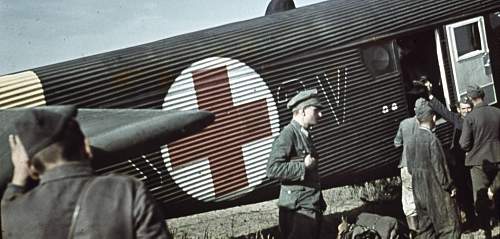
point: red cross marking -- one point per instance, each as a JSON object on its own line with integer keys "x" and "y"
{"x": 221, "y": 143}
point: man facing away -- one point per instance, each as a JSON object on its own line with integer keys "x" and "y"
{"x": 294, "y": 161}
{"x": 481, "y": 139}
{"x": 70, "y": 201}
{"x": 433, "y": 188}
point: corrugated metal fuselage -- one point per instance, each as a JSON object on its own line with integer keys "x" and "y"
{"x": 245, "y": 73}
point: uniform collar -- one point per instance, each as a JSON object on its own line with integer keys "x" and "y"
{"x": 67, "y": 170}
{"x": 480, "y": 104}
{"x": 299, "y": 127}
{"x": 424, "y": 128}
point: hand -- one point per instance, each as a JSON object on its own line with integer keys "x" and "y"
{"x": 19, "y": 158}
{"x": 428, "y": 85}
{"x": 453, "y": 192}
{"x": 309, "y": 161}
{"x": 490, "y": 193}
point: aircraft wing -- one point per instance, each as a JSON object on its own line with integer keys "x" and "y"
{"x": 244, "y": 73}
{"x": 115, "y": 134}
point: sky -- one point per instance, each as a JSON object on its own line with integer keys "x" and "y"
{"x": 38, "y": 33}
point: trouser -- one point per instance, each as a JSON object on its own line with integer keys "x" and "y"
{"x": 427, "y": 230}
{"x": 462, "y": 180}
{"x": 484, "y": 177}
{"x": 407, "y": 198}
{"x": 436, "y": 209}
{"x": 294, "y": 224}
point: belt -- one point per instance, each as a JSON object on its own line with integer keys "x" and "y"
{"x": 309, "y": 213}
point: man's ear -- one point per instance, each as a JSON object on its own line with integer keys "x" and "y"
{"x": 87, "y": 149}
{"x": 34, "y": 174}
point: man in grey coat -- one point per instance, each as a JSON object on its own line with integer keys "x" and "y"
{"x": 481, "y": 139}
{"x": 70, "y": 201}
{"x": 406, "y": 131}
{"x": 294, "y": 161}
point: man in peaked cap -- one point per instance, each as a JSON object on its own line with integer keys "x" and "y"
{"x": 481, "y": 139}
{"x": 294, "y": 161}
{"x": 433, "y": 187}
{"x": 460, "y": 173}
{"x": 70, "y": 200}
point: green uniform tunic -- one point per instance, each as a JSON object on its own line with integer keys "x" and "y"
{"x": 300, "y": 187}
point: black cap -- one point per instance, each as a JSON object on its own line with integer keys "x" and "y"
{"x": 465, "y": 100}
{"x": 474, "y": 91}
{"x": 40, "y": 127}
{"x": 303, "y": 99}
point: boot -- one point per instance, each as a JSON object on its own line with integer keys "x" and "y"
{"x": 412, "y": 225}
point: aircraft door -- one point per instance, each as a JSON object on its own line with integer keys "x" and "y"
{"x": 470, "y": 59}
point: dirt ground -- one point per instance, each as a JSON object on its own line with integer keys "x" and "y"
{"x": 261, "y": 220}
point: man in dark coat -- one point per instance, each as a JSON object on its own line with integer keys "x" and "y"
{"x": 456, "y": 159}
{"x": 433, "y": 187}
{"x": 70, "y": 200}
{"x": 294, "y": 161}
{"x": 481, "y": 139}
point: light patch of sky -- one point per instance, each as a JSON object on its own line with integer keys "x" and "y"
{"x": 37, "y": 33}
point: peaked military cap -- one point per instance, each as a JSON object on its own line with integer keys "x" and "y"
{"x": 40, "y": 127}
{"x": 465, "y": 100}
{"x": 303, "y": 99}
{"x": 474, "y": 91}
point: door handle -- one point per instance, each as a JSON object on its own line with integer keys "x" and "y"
{"x": 487, "y": 63}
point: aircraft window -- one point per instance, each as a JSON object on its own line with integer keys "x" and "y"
{"x": 379, "y": 59}
{"x": 467, "y": 39}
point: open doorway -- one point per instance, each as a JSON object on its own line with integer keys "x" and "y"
{"x": 418, "y": 58}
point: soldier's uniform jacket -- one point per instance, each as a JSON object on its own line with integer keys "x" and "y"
{"x": 481, "y": 135}
{"x": 114, "y": 207}
{"x": 300, "y": 187}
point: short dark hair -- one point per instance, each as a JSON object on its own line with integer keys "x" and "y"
{"x": 69, "y": 144}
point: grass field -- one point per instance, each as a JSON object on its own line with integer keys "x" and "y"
{"x": 260, "y": 221}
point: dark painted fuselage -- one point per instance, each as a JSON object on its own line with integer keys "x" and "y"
{"x": 245, "y": 73}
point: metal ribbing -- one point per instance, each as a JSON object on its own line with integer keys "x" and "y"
{"x": 316, "y": 44}
{"x": 353, "y": 146}
{"x": 447, "y": 65}
{"x": 21, "y": 90}
{"x": 263, "y": 41}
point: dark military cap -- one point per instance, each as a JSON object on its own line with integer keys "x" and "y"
{"x": 474, "y": 91}
{"x": 40, "y": 127}
{"x": 422, "y": 109}
{"x": 465, "y": 100}
{"x": 303, "y": 99}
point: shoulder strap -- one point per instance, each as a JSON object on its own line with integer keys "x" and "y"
{"x": 76, "y": 211}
